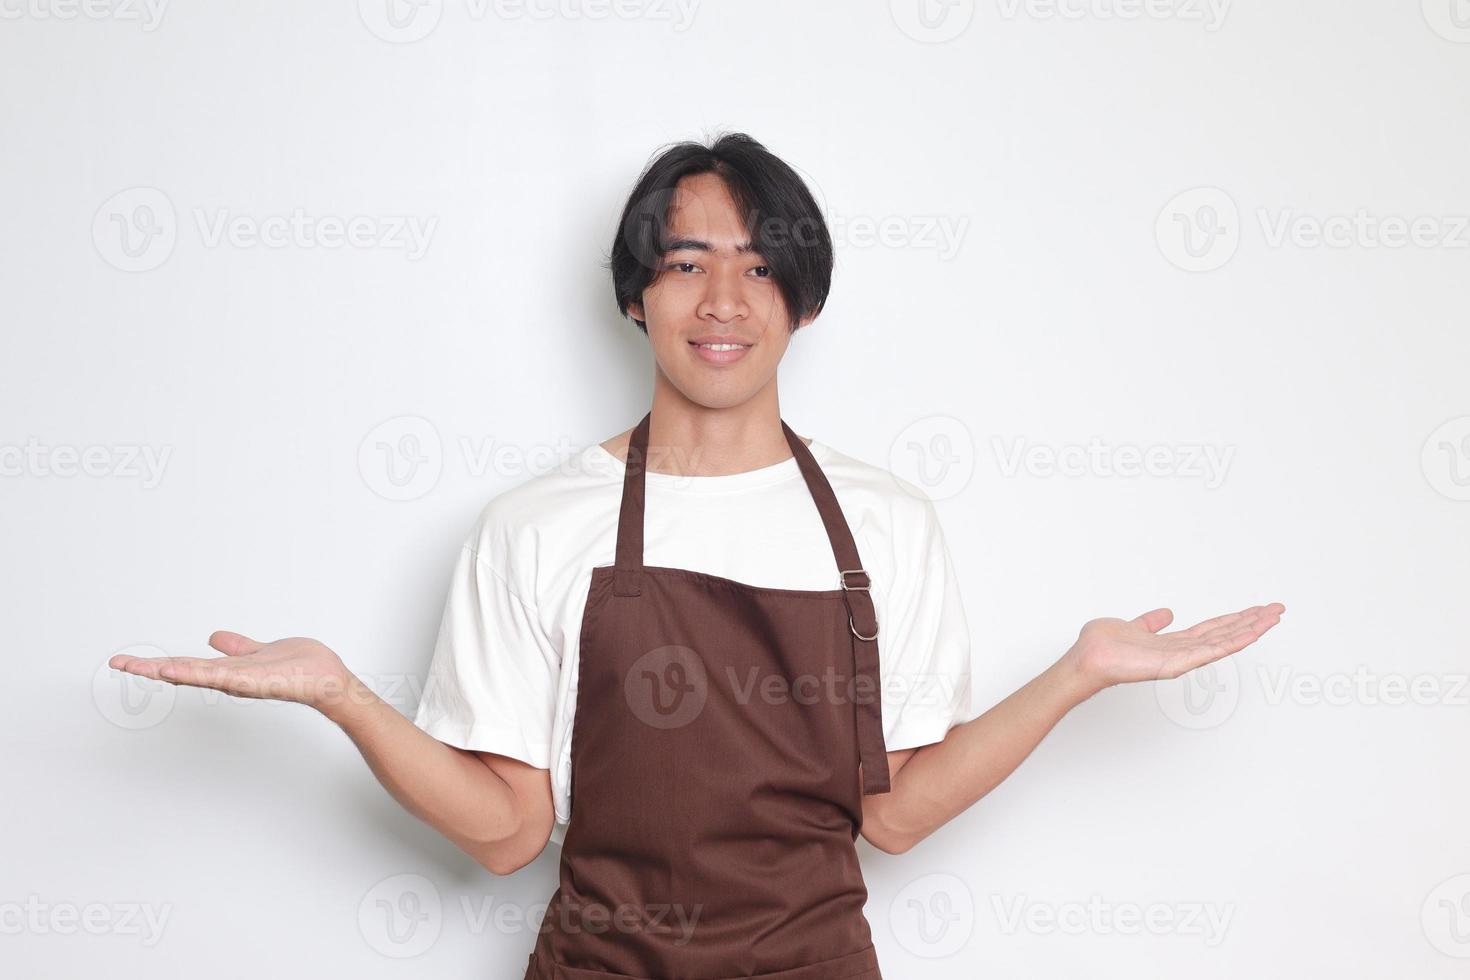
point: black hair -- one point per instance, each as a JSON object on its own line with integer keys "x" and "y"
{"x": 782, "y": 219}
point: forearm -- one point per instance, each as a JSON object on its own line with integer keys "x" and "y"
{"x": 942, "y": 780}
{"x": 448, "y": 788}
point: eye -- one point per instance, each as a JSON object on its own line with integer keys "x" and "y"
{"x": 683, "y": 266}
{"x": 763, "y": 270}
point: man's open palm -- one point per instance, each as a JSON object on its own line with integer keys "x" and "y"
{"x": 296, "y": 668}
{"x": 1117, "y": 651}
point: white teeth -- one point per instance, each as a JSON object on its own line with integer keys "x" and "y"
{"x": 721, "y": 346}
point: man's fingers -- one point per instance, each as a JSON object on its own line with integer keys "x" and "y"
{"x": 1210, "y": 625}
{"x": 1252, "y": 623}
{"x": 233, "y": 644}
{"x": 1229, "y": 620}
{"x": 212, "y": 672}
{"x": 216, "y": 674}
{"x": 239, "y": 678}
{"x": 1213, "y": 630}
{"x": 142, "y": 666}
{"x": 1246, "y": 629}
{"x": 158, "y": 668}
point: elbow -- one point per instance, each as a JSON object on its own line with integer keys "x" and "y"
{"x": 887, "y": 839}
{"x": 502, "y": 865}
{"x": 895, "y": 845}
{"x": 505, "y": 855}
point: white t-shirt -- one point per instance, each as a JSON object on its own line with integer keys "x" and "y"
{"x": 503, "y": 677}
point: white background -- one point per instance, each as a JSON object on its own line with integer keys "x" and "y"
{"x": 1308, "y": 796}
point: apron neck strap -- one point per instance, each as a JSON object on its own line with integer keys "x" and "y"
{"x": 629, "y": 555}
{"x": 862, "y": 617}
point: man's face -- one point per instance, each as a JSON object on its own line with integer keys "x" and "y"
{"x": 716, "y": 320}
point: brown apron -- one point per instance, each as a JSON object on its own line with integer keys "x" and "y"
{"x": 715, "y": 759}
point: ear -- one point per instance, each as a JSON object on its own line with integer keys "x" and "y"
{"x": 635, "y": 310}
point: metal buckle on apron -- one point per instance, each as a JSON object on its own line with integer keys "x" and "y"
{"x": 865, "y": 587}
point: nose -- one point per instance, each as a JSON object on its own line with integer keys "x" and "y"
{"x": 723, "y": 300}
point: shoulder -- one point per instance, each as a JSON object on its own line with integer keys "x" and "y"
{"x": 873, "y": 490}
{"x": 577, "y": 492}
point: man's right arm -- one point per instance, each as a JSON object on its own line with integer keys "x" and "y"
{"x": 496, "y": 809}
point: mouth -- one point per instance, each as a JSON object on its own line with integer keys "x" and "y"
{"x": 719, "y": 351}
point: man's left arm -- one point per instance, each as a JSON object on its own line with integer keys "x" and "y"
{"x": 934, "y": 783}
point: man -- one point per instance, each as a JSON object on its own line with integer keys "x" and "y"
{"x": 712, "y": 653}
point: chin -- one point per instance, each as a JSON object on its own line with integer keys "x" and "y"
{"x": 715, "y": 396}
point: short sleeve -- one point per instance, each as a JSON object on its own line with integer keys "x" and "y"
{"x": 492, "y": 680}
{"x": 925, "y": 645}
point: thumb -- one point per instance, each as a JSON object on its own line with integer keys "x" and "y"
{"x": 1155, "y": 619}
{"x": 233, "y": 644}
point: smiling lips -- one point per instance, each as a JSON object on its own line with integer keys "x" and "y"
{"x": 717, "y": 351}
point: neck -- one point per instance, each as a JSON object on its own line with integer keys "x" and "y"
{"x": 689, "y": 439}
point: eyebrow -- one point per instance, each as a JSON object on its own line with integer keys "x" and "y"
{"x": 697, "y": 245}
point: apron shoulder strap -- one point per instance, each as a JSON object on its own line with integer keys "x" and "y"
{"x": 862, "y": 617}
{"x": 628, "y": 559}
